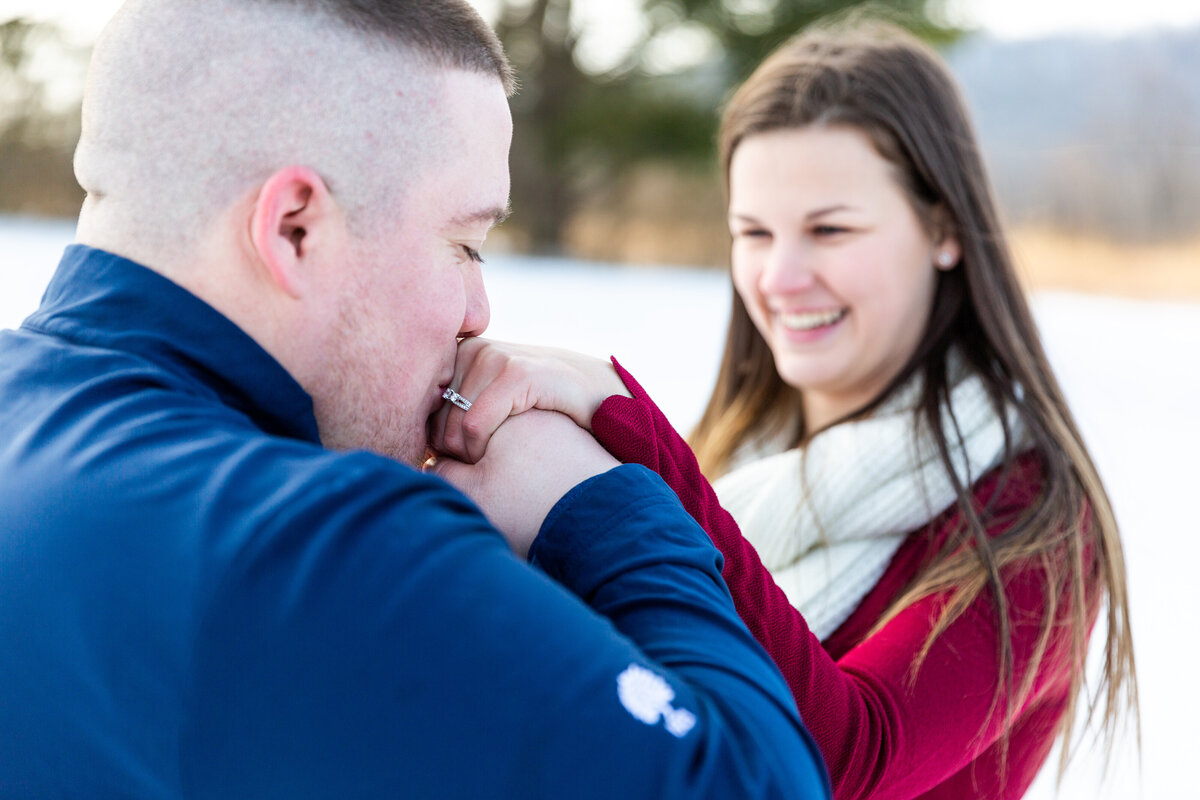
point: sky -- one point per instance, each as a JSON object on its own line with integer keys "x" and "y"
{"x": 1014, "y": 19}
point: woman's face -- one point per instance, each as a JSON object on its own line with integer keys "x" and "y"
{"x": 832, "y": 263}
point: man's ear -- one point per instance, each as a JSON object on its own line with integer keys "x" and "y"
{"x": 294, "y": 214}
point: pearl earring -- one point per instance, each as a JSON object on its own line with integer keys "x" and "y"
{"x": 945, "y": 259}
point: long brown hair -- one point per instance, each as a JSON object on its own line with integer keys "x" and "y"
{"x": 877, "y": 79}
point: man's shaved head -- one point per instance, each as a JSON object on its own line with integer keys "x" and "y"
{"x": 190, "y": 106}
{"x": 321, "y": 172}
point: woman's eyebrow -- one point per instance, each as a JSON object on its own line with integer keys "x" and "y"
{"x": 820, "y": 212}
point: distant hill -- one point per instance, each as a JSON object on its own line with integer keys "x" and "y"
{"x": 1090, "y": 131}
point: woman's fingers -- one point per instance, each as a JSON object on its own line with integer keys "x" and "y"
{"x": 501, "y": 397}
{"x": 443, "y": 434}
{"x": 482, "y": 376}
{"x": 501, "y": 379}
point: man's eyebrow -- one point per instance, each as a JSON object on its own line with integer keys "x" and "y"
{"x": 491, "y": 216}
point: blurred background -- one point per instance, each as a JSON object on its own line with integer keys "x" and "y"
{"x": 1089, "y": 116}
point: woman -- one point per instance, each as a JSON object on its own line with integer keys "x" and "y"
{"x": 927, "y": 543}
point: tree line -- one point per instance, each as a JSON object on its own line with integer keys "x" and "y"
{"x": 613, "y": 149}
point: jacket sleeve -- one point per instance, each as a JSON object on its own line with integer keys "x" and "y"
{"x": 386, "y": 642}
{"x": 882, "y": 732}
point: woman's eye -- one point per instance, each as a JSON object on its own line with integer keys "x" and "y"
{"x": 754, "y": 233}
{"x": 473, "y": 254}
{"x": 828, "y": 230}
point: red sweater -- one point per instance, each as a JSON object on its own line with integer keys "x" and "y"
{"x": 884, "y": 735}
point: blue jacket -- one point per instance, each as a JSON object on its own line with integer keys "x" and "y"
{"x": 198, "y": 600}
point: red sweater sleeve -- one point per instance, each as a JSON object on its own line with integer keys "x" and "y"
{"x": 883, "y": 735}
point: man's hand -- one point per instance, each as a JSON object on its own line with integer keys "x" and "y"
{"x": 532, "y": 460}
{"x": 502, "y": 380}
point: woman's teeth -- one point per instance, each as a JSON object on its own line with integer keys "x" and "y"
{"x": 809, "y": 320}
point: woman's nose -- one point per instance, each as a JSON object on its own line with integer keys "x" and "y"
{"x": 789, "y": 268}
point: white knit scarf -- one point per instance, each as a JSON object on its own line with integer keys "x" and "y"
{"x": 826, "y": 522}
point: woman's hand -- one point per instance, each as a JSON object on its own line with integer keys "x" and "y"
{"x": 502, "y": 379}
{"x": 533, "y": 461}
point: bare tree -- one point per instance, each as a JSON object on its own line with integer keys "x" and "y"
{"x": 580, "y": 127}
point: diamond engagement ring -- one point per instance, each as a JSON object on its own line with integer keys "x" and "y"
{"x": 456, "y": 398}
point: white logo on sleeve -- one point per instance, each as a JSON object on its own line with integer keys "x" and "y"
{"x": 647, "y": 697}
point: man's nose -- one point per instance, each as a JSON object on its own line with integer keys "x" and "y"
{"x": 478, "y": 311}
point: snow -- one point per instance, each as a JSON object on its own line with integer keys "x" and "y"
{"x": 1129, "y": 368}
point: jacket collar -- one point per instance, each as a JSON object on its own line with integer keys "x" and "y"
{"x": 103, "y": 300}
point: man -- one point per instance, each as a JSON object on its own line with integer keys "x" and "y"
{"x": 208, "y": 586}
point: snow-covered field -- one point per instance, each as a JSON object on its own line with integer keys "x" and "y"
{"x": 1130, "y": 369}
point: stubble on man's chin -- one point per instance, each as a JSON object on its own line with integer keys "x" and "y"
{"x": 368, "y": 429}
{"x": 351, "y": 409}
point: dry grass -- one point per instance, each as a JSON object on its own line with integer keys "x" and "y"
{"x": 1052, "y": 260}
{"x": 1046, "y": 259}
{"x": 661, "y": 216}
